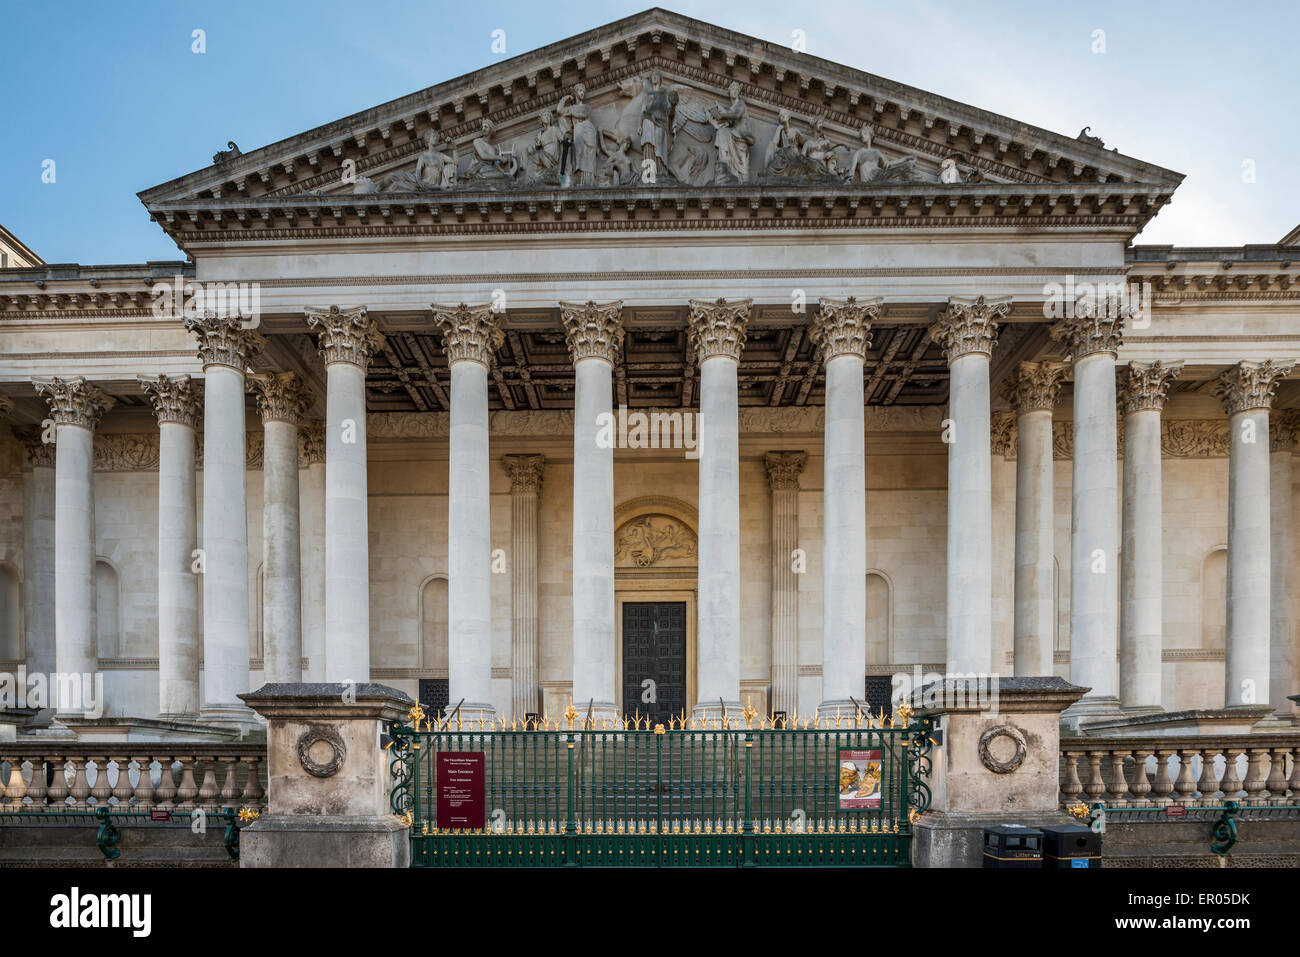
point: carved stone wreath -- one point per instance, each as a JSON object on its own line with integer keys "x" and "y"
{"x": 1002, "y": 731}
{"x": 315, "y": 734}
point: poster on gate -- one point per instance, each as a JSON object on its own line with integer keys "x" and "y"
{"x": 859, "y": 783}
{"x": 460, "y": 790}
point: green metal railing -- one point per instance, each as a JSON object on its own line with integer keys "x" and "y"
{"x": 720, "y": 793}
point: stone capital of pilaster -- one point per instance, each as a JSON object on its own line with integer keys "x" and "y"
{"x": 174, "y": 399}
{"x": 6, "y": 405}
{"x": 1144, "y": 386}
{"x": 345, "y": 335}
{"x": 40, "y": 453}
{"x": 717, "y": 327}
{"x": 593, "y": 330}
{"x": 1035, "y": 386}
{"x": 969, "y": 326}
{"x": 1096, "y": 327}
{"x": 1283, "y": 429}
{"x": 1251, "y": 385}
{"x": 842, "y": 327}
{"x": 784, "y": 469}
{"x": 224, "y": 341}
{"x": 311, "y": 443}
{"x": 469, "y": 333}
{"x": 525, "y": 472}
{"x": 281, "y": 396}
{"x": 73, "y": 401}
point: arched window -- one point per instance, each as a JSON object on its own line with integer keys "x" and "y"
{"x": 1214, "y": 599}
{"x": 11, "y": 644}
{"x": 433, "y": 627}
{"x": 880, "y": 619}
{"x": 107, "y": 623}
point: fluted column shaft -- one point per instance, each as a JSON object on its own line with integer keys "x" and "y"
{"x": 38, "y": 552}
{"x": 525, "y": 473}
{"x": 470, "y": 336}
{"x": 1282, "y": 635}
{"x": 783, "y": 470}
{"x": 311, "y": 537}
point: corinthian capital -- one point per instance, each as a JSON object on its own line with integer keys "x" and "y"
{"x": 969, "y": 326}
{"x": 281, "y": 397}
{"x": 784, "y": 469}
{"x": 311, "y": 444}
{"x": 1145, "y": 385}
{"x": 1034, "y": 386}
{"x": 345, "y": 335}
{"x": 73, "y": 401}
{"x": 593, "y": 330}
{"x": 717, "y": 327}
{"x": 525, "y": 472}
{"x": 470, "y": 333}
{"x": 174, "y": 399}
{"x": 1251, "y": 385}
{"x": 842, "y": 327}
{"x": 40, "y": 453}
{"x": 223, "y": 341}
{"x": 1096, "y": 326}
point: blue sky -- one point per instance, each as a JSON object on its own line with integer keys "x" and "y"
{"x": 112, "y": 92}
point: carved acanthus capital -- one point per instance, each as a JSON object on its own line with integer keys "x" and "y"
{"x": 73, "y": 401}
{"x": 1251, "y": 385}
{"x": 1097, "y": 326}
{"x": 1145, "y": 385}
{"x": 784, "y": 469}
{"x": 281, "y": 396}
{"x": 1004, "y": 433}
{"x": 311, "y": 443}
{"x": 1283, "y": 429}
{"x": 224, "y": 341}
{"x": 174, "y": 399}
{"x": 969, "y": 326}
{"x": 593, "y": 330}
{"x": 6, "y": 405}
{"x": 1034, "y": 386}
{"x": 717, "y": 327}
{"x": 842, "y": 327}
{"x": 470, "y": 333}
{"x": 345, "y": 335}
{"x": 40, "y": 453}
{"x": 525, "y": 472}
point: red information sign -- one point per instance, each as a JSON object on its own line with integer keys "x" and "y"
{"x": 1175, "y": 810}
{"x": 460, "y": 789}
{"x": 859, "y": 780}
{"x": 156, "y": 815}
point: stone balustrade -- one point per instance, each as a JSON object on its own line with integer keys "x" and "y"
{"x": 1257, "y": 770}
{"x": 82, "y": 775}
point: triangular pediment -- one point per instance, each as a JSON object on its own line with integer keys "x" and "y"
{"x": 660, "y": 101}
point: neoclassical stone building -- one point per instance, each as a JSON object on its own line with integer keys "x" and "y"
{"x": 661, "y": 369}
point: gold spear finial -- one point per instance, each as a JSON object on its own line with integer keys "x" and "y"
{"x": 905, "y": 712}
{"x": 571, "y": 714}
{"x": 749, "y": 713}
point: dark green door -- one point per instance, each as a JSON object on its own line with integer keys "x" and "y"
{"x": 654, "y": 658}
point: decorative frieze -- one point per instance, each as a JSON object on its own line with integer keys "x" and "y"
{"x": 784, "y": 469}
{"x": 1283, "y": 429}
{"x": 1002, "y": 434}
{"x": 1179, "y": 438}
{"x": 717, "y": 327}
{"x": 174, "y": 399}
{"x": 345, "y": 335}
{"x": 6, "y": 405}
{"x": 525, "y": 472}
{"x": 1144, "y": 386}
{"x": 281, "y": 396}
{"x": 653, "y": 540}
{"x": 73, "y": 401}
{"x": 224, "y": 341}
{"x": 1097, "y": 326}
{"x": 969, "y": 326}
{"x": 842, "y": 327}
{"x": 593, "y": 330}
{"x": 1035, "y": 386}
{"x": 1251, "y": 385}
{"x": 470, "y": 333}
{"x": 311, "y": 444}
{"x": 39, "y": 453}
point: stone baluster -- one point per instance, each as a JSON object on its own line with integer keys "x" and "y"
{"x": 1230, "y": 783}
{"x": 58, "y": 791}
{"x": 1276, "y": 783}
{"x": 188, "y": 790}
{"x": 1294, "y": 783}
{"x": 1256, "y": 776}
{"x": 80, "y": 789}
{"x": 208, "y": 790}
{"x": 1141, "y": 785}
{"x": 1096, "y": 785}
{"x": 253, "y": 791}
{"x": 1186, "y": 785}
{"x": 1117, "y": 787}
{"x": 101, "y": 791}
{"x": 166, "y": 793}
{"x": 144, "y": 793}
{"x": 1162, "y": 787}
{"x": 1208, "y": 785}
{"x": 38, "y": 788}
{"x": 15, "y": 788}
{"x": 230, "y": 785}
{"x": 1072, "y": 787}
{"x": 122, "y": 790}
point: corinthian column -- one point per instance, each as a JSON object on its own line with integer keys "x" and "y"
{"x": 225, "y": 348}
{"x": 1094, "y": 337}
{"x": 594, "y": 333}
{"x": 1247, "y": 390}
{"x": 967, "y": 330}
{"x": 470, "y": 337}
{"x": 717, "y": 330}
{"x": 347, "y": 340}
{"x": 1032, "y": 393}
{"x": 783, "y": 471}
{"x": 525, "y": 473}
{"x": 1282, "y": 664}
{"x": 841, "y": 332}
{"x": 178, "y": 408}
{"x": 282, "y": 399}
{"x": 1141, "y": 616}
{"x": 76, "y": 407}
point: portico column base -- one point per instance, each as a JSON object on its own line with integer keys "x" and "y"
{"x": 1077, "y": 717}
{"x": 590, "y": 715}
{"x": 241, "y": 718}
{"x": 841, "y": 708}
{"x": 475, "y": 711}
{"x": 733, "y": 710}
{"x": 1141, "y": 709}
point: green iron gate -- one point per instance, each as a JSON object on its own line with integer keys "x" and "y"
{"x": 720, "y": 793}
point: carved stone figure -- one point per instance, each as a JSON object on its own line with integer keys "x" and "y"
{"x": 868, "y": 165}
{"x": 732, "y": 139}
{"x": 544, "y": 154}
{"x": 435, "y": 169}
{"x": 784, "y": 147}
{"x": 619, "y": 168}
{"x": 489, "y": 162}
{"x": 581, "y": 163}
{"x": 658, "y": 106}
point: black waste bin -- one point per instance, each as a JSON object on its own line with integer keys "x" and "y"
{"x": 1013, "y": 846}
{"x": 1071, "y": 845}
